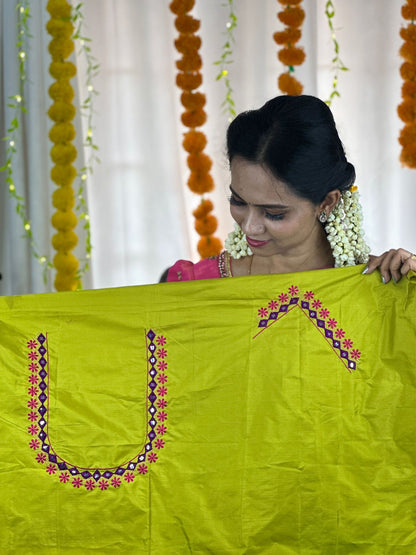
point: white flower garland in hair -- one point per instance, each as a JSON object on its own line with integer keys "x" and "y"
{"x": 236, "y": 243}
{"x": 345, "y": 232}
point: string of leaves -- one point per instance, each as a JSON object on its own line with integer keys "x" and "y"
{"x": 17, "y": 105}
{"x": 228, "y": 105}
{"x": 337, "y": 64}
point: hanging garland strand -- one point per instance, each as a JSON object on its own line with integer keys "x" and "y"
{"x": 337, "y": 64}
{"x": 407, "y": 108}
{"x": 63, "y": 152}
{"x": 17, "y": 104}
{"x": 226, "y": 59}
{"x": 189, "y": 78}
{"x": 292, "y": 17}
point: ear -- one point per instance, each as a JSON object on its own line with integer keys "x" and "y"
{"x": 329, "y": 202}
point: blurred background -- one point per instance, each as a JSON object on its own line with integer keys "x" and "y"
{"x": 140, "y": 209}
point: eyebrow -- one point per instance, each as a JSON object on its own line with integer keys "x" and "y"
{"x": 278, "y": 206}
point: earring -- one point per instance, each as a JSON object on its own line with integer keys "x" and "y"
{"x": 322, "y": 217}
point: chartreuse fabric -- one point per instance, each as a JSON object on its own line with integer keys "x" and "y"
{"x": 266, "y": 414}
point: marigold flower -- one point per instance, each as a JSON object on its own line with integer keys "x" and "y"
{"x": 289, "y": 84}
{"x": 290, "y": 35}
{"x": 63, "y": 132}
{"x": 200, "y": 183}
{"x": 199, "y": 163}
{"x": 66, "y": 263}
{"x": 409, "y": 10}
{"x": 59, "y": 28}
{"x": 63, "y": 175}
{"x": 63, "y": 198}
{"x": 291, "y": 56}
{"x": 193, "y": 101}
{"x": 62, "y": 70}
{"x": 61, "y": 90}
{"x": 292, "y": 17}
{"x": 194, "y": 118}
{"x": 409, "y": 89}
{"x": 408, "y": 71}
{"x": 59, "y": 9}
{"x": 194, "y": 141}
{"x": 187, "y": 24}
{"x": 186, "y": 44}
{"x": 408, "y": 156}
{"x": 64, "y": 240}
{"x": 409, "y": 32}
{"x": 63, "y": 154}
{"x": 181, "y": 6}
{"x": 189, "y": 62}
{"x": 206, "y": 225}
{"x": 408, "y": 135}
{"x": 408, "y": 51}
{"x": 64, "y": 221}
{"x": 209, "y": 246}
{"x": 188, "y": 81}
{"x": 203, "y": 208}
{"x": 65, "y": 282}
{"x": 61, "y": 111}
{"x": 60, "y": 48}
{"x": 407, "y": 111}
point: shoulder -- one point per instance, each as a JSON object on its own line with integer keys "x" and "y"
{"x": 208, "y": 268}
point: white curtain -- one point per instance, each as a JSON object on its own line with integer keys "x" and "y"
{"x": 140, "y": 208}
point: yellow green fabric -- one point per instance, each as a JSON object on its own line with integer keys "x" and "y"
{"x": 267, "y": 437}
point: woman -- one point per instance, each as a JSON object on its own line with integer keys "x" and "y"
{"x": 292, "y": 198}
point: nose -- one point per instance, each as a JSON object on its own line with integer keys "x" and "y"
{"x": 253, "y": 224}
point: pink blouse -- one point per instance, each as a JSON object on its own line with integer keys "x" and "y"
{"x": 209, "y": 268}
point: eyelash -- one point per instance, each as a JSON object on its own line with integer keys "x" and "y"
{"x": 237, "y": 202}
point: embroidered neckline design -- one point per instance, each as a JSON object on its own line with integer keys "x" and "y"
{"x": 96, "y": 478}
{"x": 313, "y": 309}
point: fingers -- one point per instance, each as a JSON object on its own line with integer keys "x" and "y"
{"x": 392, "y": 264}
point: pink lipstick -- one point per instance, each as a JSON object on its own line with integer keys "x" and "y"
{"x": 254, "y": 243}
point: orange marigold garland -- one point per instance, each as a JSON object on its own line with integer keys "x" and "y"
{"x": 189, "y": 79}
{"x": 292, "y": 17}
{"x": 63, "y": 153}
{"x": 407, "y": 108}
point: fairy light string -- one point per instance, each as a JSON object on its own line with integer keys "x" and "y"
{"x": 291, "y": 55}
{"x": 337, "y": 64}
{"x": 407, "y": 108}
{"x": 189, "y": 79}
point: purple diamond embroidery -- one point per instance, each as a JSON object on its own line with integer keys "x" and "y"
{"x": 132, "y": 466}
{"x": 344, "y": 354}
{"x": 96, "y": 476}
{"x": 141, "y": 458}
{"x": 120, "y": 471}
{"x": 107, "y": 474}
{"x": 352, "y": 365}
{"x": 152, "y": 360}
{"x": 294, "y": 300}
{"x": 151, "y": 335}
{"x": 336, "y": 344}
{"x": 42, "y": 397}
{"x": 273, "y": 315}
{"x": 43, "y": 374}
{"x": 321, "y": 324}
{"x": 148, "y": 446}
{"x": 41, "y": 338}
{"x": 152, "y": 397}
{"x": 312, "y": 314}
{"x": 153, "y": 372}
{"x": 304, "y": 304}
{"x": 74, "y": 471}
{"x": 262, "y": 324}
{"x": 283, "y": 308}
{"x": 328, "y": 333}
{"x": 41, "y": 410}
{"x": 151, "y": 435}
{"x": 42, "y": 362}
{"x": 86, "y": 474}
{"x": 42, "y": 350}
{"x": 52, "y": 458}
{"x": 152, "y": 384}
{"x": 45, "y": 448}
{"x": 62, "y": 466}
{"x": 42, "y": 386}
{"x": 42, "y": 435}
{"x": 42, "y": 422}
{"x": 152, "y": 347}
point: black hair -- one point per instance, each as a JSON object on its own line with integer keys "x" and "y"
{"x": 295, "y": 137}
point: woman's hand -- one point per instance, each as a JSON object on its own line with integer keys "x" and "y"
{"x": 392, "y": 264}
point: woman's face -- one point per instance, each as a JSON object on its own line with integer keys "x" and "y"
{"x": 274, "y": 219}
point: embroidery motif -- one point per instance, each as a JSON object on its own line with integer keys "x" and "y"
{"x": 312, "y": 308}
{"x": 38, "y": 416}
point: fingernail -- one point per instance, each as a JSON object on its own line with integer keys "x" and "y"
{"x": 383, "y": 280}
{"x": 394, "y": 279}
{"x": 365, "y": 270}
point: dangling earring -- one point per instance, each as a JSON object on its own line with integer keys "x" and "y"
{"x": 322, "y": 217}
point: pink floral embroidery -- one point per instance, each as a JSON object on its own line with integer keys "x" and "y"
{"x": 273, "y": 305}
{"x": 324, "y": 313}
{"x": 162, "y": 378}
{"x": 161, "y": 429}
{"x": 89, "y": 484}
{"x": 283, "y": 298}
{"x": 64, "y": 477}
{"x": 33, "y": 430}
{"x": 77, "y": 482}
{"x": 51, "y": 469}
{"x": 103, "y": 485}
{"x": 340, "y": 333}
{"x": 263, "y": 312}
{"x": 116, "y": 482}
{"x": 162, "y": 365}
{"x": 34, "y": 444}
{"x": 33, "y": 391}
{"x": 355, "y": 354}
{"x": 152, "y": 457}
{"x": 161, "y": 353}
{"x": 347, "y": 344}
{"x": 162, "y": 416}
{"x": 32, "y": 403}
{"x": 293, "y": 290}
{"x": 129, "y": 476}
{"x": 33, "y": 379}
{"x": 159, "y": 444}
{"x": 332, "y": 323}
{"x": 316, "y": 303}
{"x": 142, "y": 468}
{"x": 41, "y": 458}
{"x": 32, "y": 416}
{"x": 161, "y": 340}
{"x": 33, "y": 367}
{"x": 31, "y": 344}
{"x": 32, "y": 355}
{"x": 161, "y": 403}
{"x": 162, "y": 391}
{"x": 309, "y": 295}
